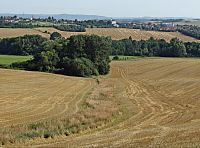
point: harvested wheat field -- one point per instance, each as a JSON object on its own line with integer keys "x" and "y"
{"x": 15, "y": 32}
{"x": 115, "y": 33}
{"x": 122, "y": 33}
{"x": 136, "y": 34}
{"x": 155, "y": 101}
{"x": 27, "y": 97}
{"x": 63, "y": 33}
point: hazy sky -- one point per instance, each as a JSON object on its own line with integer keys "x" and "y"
{"x": 119, "y": 8}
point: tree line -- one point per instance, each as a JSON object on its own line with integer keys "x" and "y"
{"x": 21, "y": 25}
{"x": 70, "y": 28}
{"x": 155, "y": 47}
{"x": 189, "y": 30}
{"x": 85, "y": 55}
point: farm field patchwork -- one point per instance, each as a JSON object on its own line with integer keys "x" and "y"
{"x": 157, "y": 102}
{"x": 121, "y": 33}
{"x": 115, "y": 33}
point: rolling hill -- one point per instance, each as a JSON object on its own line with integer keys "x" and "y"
{"x": 155, "y": 104}
{"x": 115, "y": 33}
{"x": 15, "y": 32}
{"x": 38, "y": 96}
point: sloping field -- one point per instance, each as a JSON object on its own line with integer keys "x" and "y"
{"x": 121, "y": 33}
{"x": 161, "y": 99}
{"x": 27, "y": 97}
{"x": 15, "y": 32}
{"x": 63, "y": 33}
{"x": 118, "y": 33}
{"x": 115, "y": 33}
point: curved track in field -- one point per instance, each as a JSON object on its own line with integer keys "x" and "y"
{"x": 27, "y": 97}
{"x": 163, "y": 98}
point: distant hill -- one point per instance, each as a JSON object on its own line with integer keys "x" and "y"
{"x": 189, "y": 22}
{"x": 91, "y": 17}
{"x": 60, "y": 16}
{"x": 146, "y": 19}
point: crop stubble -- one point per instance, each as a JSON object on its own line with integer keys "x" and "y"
{"x": 162, "y": 100}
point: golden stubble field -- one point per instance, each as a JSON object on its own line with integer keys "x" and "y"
{"x": 157, "y": 101}
{"x": 15, "y": 32}
{"x": 122, "y": 33}
{"x": 27, "y": 97}
{"x": 115, "y": 33}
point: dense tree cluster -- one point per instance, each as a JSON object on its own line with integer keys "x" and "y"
{"x": 55, "y": 35}
{"x": 192, "y": 49}
{"x": 26, "y": 45}
{"x": 153, "y": 47}
{"x": 80, "y": 55}
{"x": 96, "y": 23}
{"x": 193, "y": 31}
{"x": 71, "y": 28}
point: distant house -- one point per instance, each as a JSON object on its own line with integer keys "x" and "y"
{"x": 114, "y": 23}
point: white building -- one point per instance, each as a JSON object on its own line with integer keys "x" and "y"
{"x": 114, "y": 23}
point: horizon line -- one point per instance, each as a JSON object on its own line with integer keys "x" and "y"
{"x": 127, "y": 17}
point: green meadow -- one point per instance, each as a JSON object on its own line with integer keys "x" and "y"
{"x": 9, "y": 59}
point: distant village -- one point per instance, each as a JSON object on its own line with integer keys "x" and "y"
{"x": 151, "y": 25}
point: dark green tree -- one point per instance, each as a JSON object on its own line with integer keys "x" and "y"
{"x": 79, "y": 67}
{"x": 177, "y": 48}
{"x": 55, "y": 35}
